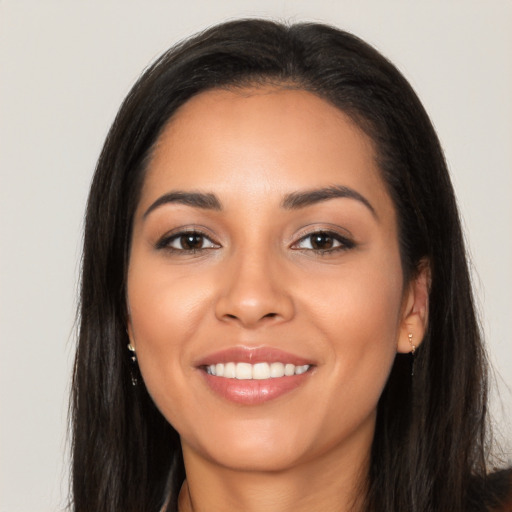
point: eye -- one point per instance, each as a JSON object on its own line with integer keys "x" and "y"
{"x": 324, "y": 241}
{"x": 188, "y": 241}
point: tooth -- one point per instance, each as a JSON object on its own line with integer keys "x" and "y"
{"x": 261, "y": 371}
{"x": 230, "y": 370}
{"x": 244, "y": 371}
{"x": 301, "y": 369}
{"x": 289, "y": 369}
{"x": 277, "y": 370}
{"x": 258, "y": 371}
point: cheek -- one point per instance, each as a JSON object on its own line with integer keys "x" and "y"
{"x": 163, "y": 301}
{"x": 361, "y": 320}
{"x": 166, "y": 311}
{"x": 361, "y": 301}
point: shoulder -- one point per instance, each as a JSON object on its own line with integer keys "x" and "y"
{"x": 500, "y": 487}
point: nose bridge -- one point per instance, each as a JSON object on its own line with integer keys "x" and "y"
{"x": 254, "y": 288}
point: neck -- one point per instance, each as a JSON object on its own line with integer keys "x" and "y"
{"x": 332, "y": 483}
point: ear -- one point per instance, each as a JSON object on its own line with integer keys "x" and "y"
{"x": 414, "y": 319}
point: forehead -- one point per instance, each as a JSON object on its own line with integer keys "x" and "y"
{"x": 261, "y": 140}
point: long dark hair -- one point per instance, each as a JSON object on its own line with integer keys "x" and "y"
{"x": 429, "y": 450}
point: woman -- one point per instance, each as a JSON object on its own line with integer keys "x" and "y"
{"x": 276, "y": 310}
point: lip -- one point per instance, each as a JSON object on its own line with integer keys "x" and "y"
{"x": 253, "y": 392}
{"x": 253, "y": 355}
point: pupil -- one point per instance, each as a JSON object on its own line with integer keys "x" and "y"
{"x": 322, "y": 241}
{"x": 192, "y": 241}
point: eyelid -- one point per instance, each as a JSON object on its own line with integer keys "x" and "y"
{"x": 345, "y": 240}
{"x": 163, "y": 241}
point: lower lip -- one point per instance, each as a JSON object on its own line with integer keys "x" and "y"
{"x": 254, "y": 392}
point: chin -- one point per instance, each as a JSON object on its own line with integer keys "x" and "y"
{"x": 247, "y": 445}
{"x": 275, "y": 445}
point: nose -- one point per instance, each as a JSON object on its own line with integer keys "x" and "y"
{"x": 254, "y": 292}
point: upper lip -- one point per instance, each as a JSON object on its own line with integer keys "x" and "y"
{"x": 253, "y": 355}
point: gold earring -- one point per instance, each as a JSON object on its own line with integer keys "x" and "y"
{"x": 413, "y": 346}
{"x": 133, "y": 368}
{"x": 413, "y": 349}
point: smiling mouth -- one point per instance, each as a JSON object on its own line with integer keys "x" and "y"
{"x": 254, "y": 375}
{"x": 257, "y": 371}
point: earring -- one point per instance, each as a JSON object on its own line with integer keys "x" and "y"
{"x": 413, "y": 350}
{"x": 133, "y": 368}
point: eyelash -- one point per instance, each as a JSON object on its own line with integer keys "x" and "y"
{"x": 343, "y": 242}
{"x": 166, "y": 241}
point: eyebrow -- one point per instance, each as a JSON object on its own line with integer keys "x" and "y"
{"x": 298, "y": 200}
{"x": 293, "y": 201}
{"x": 195, "y": 199}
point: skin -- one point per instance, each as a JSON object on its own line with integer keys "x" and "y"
{"x": 257, "y": 280}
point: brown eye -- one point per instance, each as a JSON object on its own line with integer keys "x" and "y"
{"x": 324, "y": 242}
{"x": 192, "y": 241}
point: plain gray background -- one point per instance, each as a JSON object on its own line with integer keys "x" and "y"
{"x": 64, "y": 69}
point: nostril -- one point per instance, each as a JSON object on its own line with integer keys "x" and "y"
{"x": 268, "y": 315}
{"x": 232, "y": 316}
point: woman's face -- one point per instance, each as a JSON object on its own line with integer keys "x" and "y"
{"x": 265, "y": 285}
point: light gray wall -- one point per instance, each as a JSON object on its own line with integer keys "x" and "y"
{"x": 65, "y": 67}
